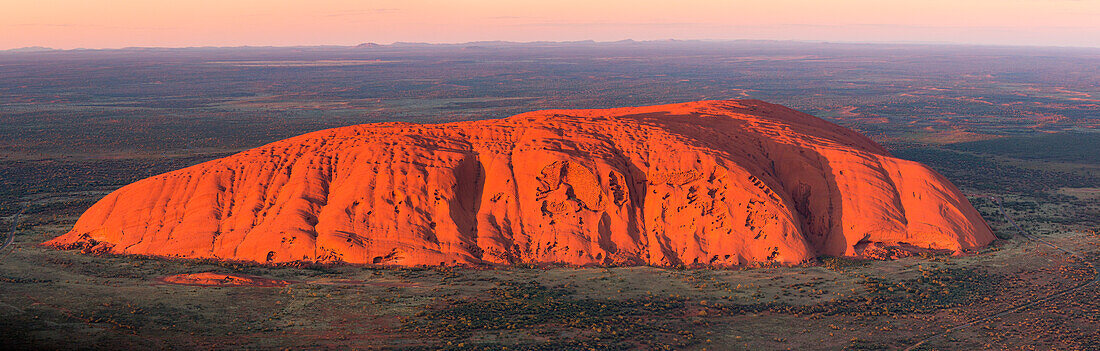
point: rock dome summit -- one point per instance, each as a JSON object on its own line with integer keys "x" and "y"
{"x": 717, "y": 183}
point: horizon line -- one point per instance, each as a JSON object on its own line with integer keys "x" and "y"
{"x": 41, "y": 48}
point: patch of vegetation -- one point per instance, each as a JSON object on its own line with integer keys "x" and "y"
{"x": 554, "y": 319}
{"x": 1067, "y": 147}
{"x": 863, "y": 344}
{"x": 983, "y": 174}
{"x": 22, "y": 179}
{"x": 842, "y": 264}
{"x": 553, "y": 314}
{"x": 934, "y": 290}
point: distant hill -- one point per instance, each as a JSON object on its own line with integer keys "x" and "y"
{"x": 30, "y": 49}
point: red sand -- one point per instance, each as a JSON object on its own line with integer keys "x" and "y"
{"x": 215, "y": 279}
{"x": 713, "y": 183}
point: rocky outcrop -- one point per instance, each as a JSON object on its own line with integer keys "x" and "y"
{"x": 216, "y": 279}
{"x": 711, "y": 183}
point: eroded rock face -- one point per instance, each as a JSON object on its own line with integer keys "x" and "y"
{"x": 712, "y": 183}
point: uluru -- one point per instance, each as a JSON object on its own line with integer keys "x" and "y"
{"x": 716, "y": 183}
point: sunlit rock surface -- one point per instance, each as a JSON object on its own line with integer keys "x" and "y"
{"x": 710, "y": 183}
{"x": 216, "y": 279}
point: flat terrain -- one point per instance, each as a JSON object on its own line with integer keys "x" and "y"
{"x": 1014, "y": 125}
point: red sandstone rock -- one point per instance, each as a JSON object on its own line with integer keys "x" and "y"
{"x": 215, "y": 279}
{"x": 714, "y": 183}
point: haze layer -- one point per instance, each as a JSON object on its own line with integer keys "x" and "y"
{"x": 717, "y": 183}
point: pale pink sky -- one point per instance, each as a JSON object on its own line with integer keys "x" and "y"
{"x": 70, "y": 24}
